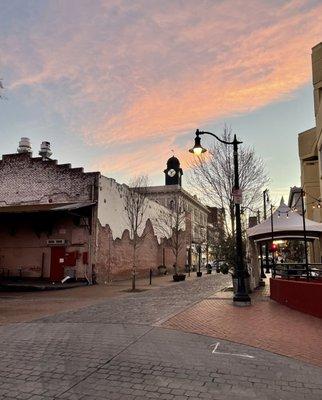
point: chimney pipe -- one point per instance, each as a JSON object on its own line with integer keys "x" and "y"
{"x": 45, "y": 151}
{"x": 24, "y": 145}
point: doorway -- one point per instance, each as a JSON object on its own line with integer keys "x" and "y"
{"x": 57, "y": 263}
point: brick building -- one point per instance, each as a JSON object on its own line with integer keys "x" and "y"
{"x": 47, "y": 217}
{"x": 215, "y": 233}
{"x": 57, "y": 220}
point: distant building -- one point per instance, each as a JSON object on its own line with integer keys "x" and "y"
{"x": 215, "y": 233}
{"x": 205, "y": 223}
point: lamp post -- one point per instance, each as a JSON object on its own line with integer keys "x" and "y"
{"x": 241, "y": 297}
{"x": 272, "y": 246}
{"x": 305, "y": 236}
{"x": 265, "y": 201}
{"x": 199, "y": 273}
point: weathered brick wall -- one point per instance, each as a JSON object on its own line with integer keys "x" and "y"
{"x": 27, "y": 180}
{"x": 114, "y": 256}
{"x": 23, "y": 244}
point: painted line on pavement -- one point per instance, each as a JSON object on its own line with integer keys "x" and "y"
{"x": 215, "y": 351}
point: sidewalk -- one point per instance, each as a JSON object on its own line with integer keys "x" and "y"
{"x": 266, "y": 325}
{"x": 26, "y": 306}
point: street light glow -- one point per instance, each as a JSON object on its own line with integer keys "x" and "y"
{"x": 197, "y": 148}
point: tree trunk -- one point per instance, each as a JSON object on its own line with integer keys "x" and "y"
{"x": 134, "y": 266}
{"x": 133, "y": 278}
{"x": 175, "y": 268}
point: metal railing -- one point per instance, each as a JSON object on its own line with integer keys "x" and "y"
{"x": 297, "y": 271}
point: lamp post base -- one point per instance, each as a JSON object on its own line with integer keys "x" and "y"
{"x": 241, "y": 300}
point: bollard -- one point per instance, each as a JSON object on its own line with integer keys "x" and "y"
{"x": 150, "y": 276}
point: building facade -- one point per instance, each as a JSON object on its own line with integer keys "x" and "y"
{"x": 310, "y": 145}
{"x": 114, "y": 242}
{"x": 47, "y": 214}
{"x": 204, "y": 224}
{"x": 294, "y": 199}
{"x": 59, "y": 221}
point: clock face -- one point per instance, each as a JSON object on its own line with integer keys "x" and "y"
{"x": 171, "y": 172}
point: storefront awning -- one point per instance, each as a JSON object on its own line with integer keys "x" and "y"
{"x": 48, "y": 207}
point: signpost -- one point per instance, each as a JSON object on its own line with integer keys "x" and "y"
{"x": 238, "y": 196}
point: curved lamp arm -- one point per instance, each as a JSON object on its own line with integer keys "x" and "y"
{"x": 235, "y": 141}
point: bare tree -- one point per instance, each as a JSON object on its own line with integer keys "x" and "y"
{"x": 171, "y": 224}
{"x": 136, "y": 203}
{"x": 212, "y": 176}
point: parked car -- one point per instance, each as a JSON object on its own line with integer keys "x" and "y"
{"x": 217, "y": 264}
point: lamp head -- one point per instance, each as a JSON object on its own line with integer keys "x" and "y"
{"x": 197, "y": 148}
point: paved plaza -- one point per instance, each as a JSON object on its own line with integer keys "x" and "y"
{"x": 121, "y": 348}
{"x": 267, "y": 325}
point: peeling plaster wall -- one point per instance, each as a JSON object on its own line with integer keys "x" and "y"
{"x": 114, "y": 247}
{"x": 111, "y": 208}
{"x": 115, "y": 260}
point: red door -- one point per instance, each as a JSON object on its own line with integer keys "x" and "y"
{"x": 57, "y": 263}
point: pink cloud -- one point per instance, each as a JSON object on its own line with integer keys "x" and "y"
{"x": 125, "y": 72}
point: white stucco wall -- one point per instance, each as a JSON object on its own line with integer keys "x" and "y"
{"x": 111, "y": 208}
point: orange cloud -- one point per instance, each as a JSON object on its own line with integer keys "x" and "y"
{"x": 131, "y": 72}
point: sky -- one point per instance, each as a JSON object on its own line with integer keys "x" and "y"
{"x": 119, "y": 85}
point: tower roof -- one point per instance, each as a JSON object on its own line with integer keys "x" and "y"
{"x": 173, "y": 162}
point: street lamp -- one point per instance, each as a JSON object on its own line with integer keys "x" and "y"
{"x": 241, "y": 297}
{"x": 199, "y": 273}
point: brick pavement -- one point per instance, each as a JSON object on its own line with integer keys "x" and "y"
{"x": 114, "y": 350}
{"x": 147, "y": 307}
{"x": 27, "y": 306}
{"x": 266, "y": 325}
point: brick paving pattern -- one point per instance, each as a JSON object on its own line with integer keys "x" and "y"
{"x": 116, "y": 350}
{"x": 267, "y": 325}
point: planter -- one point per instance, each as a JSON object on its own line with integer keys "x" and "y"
{"x": 199, "y": 274}
{"x": 179, "y": 277}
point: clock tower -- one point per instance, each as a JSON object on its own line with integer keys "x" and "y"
{"x": 173, "y": 172}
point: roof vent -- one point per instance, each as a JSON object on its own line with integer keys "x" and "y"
{"x": 24, "y": 145}
{"x": 45, "y": 151}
